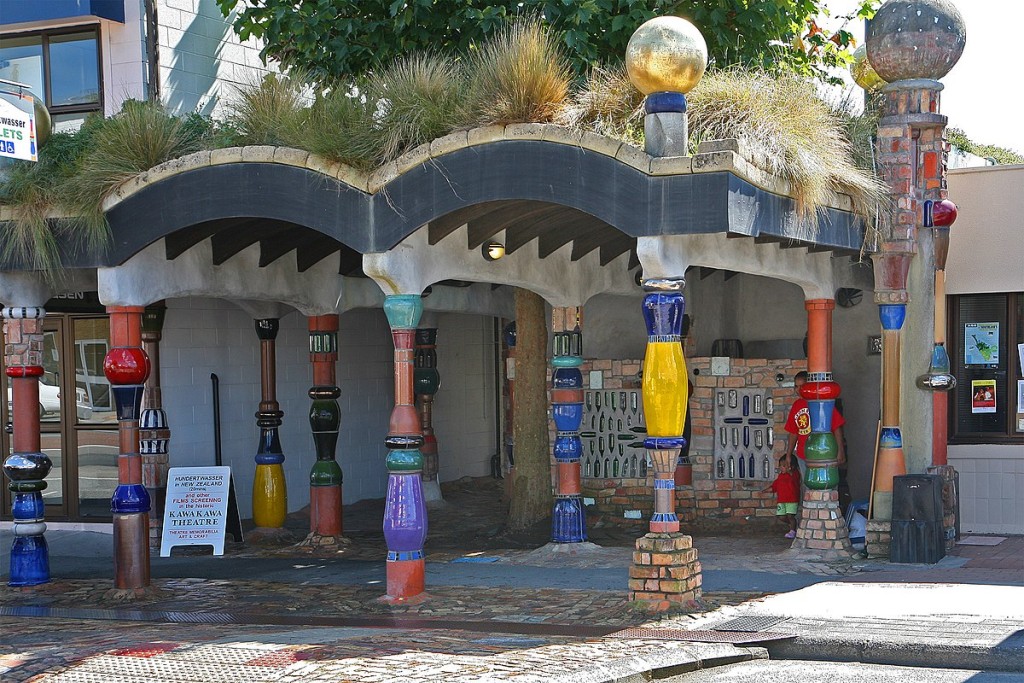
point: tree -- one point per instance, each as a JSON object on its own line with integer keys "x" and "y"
{"x": 531, "y": 488}
{"x": 340, "y": 39}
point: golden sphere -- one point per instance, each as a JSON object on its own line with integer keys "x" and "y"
{"x": 666, "y": 54}
{"x": 863, "y": 73}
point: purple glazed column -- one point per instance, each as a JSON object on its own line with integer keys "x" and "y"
{"x": 405, "y": 513}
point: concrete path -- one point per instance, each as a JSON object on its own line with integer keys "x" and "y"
{"x": 773, "y": 671}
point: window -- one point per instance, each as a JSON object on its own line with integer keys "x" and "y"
{"x": 984, "y": 337}
{"x": 62, "y": 67}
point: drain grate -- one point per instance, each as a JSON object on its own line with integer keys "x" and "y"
{"x": 750, "y": 624}
{"x": 735, "y": 637}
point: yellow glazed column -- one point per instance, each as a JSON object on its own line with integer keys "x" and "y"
{"x": 269, "y": 494}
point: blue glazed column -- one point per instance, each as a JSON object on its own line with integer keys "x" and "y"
{"x": 568, "y": 519}
{"x": 405, "y": 512}
{"x": 27, "y": 466}
{"x": 665, "y": 392}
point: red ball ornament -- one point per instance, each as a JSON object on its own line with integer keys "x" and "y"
{"x": 126, "y": 365}
{"x": 943, "y": 213}
{"x": 820, "y": 391}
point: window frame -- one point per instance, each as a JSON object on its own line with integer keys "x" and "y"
{"x": 44, "y": 36}
{"x": 1014, "y": 302}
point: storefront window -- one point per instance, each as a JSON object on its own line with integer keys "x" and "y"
{"x": 62, "y": 67}
{"x": 984, "y": 346}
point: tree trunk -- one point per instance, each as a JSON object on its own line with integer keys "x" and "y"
{"x": 531, "y": 491}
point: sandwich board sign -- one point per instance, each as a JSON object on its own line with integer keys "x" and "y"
{"x": 196, "y": 509}
{"x": 18, "y": 127}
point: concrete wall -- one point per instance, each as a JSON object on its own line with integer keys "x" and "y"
{"x": 123, "y": 49}
{"x": 201, "y": 58}
{"x": 985, "y": 252}
{"x": 202, "y": 336}
{"x": 764, "y": 314}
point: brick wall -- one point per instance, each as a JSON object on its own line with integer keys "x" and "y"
{"x": 708, "y": 502}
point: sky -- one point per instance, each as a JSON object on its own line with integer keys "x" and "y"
{"x": 981, "y": 97}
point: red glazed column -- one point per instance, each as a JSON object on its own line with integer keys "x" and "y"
{"x": 127, "y": 367}
{"x": 325, "y": 479}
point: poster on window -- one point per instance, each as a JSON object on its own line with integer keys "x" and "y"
{"x": 983, "y": 396}
{"x": 981, "y": 344}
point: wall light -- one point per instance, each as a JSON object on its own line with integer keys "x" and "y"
{"x": 492, "y": 251}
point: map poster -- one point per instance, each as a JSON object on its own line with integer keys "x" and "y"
{"x": 981, "y": 344}
{"x": 196, "y": 509}
{"x": 983, "y": 396}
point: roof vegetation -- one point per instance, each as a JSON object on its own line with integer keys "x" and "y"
{"x": 520, "y": 75}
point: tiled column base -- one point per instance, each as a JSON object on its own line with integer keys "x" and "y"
{"x": 878, "y": 537}
{"x": 822, "y": 528}
{"x": 665, "y": 575}
{"x": 949, "y": 505}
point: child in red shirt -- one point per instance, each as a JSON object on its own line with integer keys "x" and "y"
{"x": 787, "y": 492}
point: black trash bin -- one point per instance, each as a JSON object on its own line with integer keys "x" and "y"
{"x": 918, "y": 535}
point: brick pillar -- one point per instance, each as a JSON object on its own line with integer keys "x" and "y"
{"x": 405, "y": 511}
{"x": 569, "y": 517}
{"x": 665, "y": 574}
{"x": 822, "y": 528}
{"x": 325, "y": 478}
{"x": 27, "y": 466}
{"x": 127, "y": 368}
{"x": 154, "y": 433}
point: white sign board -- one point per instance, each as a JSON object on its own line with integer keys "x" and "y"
{"x": 17, "y": 127}
{"x": 196, "y": 509}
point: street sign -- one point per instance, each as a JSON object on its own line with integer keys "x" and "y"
{"x": 196, "y": 508}
{"x": 18, "y": 126}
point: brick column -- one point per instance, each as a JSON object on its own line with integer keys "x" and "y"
{"x": 27, "y": 466}
{"x": 154, "y": 433}
{"x": 325, "y": 478}
{"x": 269, "y": 490}
{"x": 127, "y": 368}
{"x": 569, "y": 517}
{"x": 405, "y": 512}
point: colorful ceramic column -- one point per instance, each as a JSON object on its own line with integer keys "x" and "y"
{"x": 269, "y": 492}
{"x": 27, "y": 466}
{"x": 325, "y": 479}
{"x": 127, "y": 368}
{"x": 910, "y": 44}
{"x": 665, "y": 392}
{"x": 154, "y": 434}
{"x": 427, "y": 381}
{"x": 405, "y": 513}
{"x": 568, "y": 520}
{"x": 820, "y": 392}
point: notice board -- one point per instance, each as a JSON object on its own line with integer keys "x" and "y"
{"x": 196, "y": 510}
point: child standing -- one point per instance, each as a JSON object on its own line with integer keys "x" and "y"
{"x": 787, "y": 492}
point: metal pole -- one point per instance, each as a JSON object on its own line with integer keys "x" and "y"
{"x": 216, "y": 419}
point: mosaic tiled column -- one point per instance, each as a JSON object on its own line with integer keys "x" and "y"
{"x": 427, "y": 381}
{"x": 269, "y": 492}
{"x": 27, "y": 466}
{"x": 127, "y": 368}
{"x": 822, "y": 528}
{"x": 665, "y": 574}
{"x": 569, "y": 518}
{"x": 911, "y": 45}
{"x": 405, "y": 513}
{"x": 154, "y": 434}
{"x": 325, "y": 479}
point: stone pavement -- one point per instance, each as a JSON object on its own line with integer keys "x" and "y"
{"x": 502, "y": 607}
